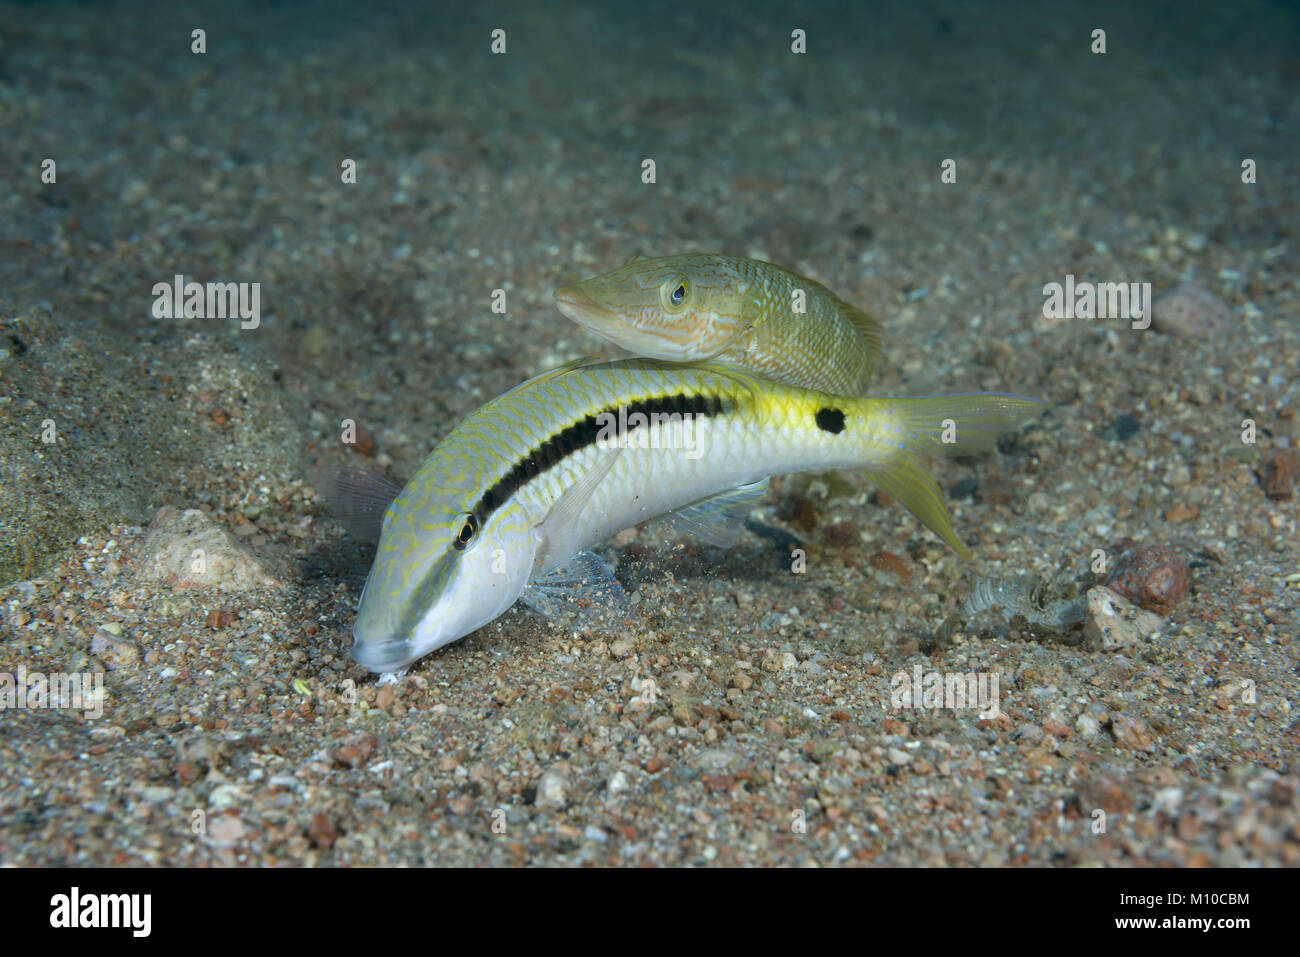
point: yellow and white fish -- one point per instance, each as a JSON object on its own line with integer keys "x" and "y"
{"x": 745, "y": 312}
{"x": 506, "y": 505}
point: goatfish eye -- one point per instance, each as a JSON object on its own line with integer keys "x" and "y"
{"x": 675, "y": 293}
{"x": 468, "y": 529}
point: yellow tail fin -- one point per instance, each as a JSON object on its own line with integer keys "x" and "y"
{"x": 942, "y": 423}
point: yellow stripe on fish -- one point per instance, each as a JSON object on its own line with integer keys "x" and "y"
{"x": 744, "y": 311}
{"x": 506, "y": 504}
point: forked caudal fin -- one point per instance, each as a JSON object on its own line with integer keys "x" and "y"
{"x": 941, "y": 423}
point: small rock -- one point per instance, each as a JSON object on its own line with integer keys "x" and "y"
{"x": 621, "y": 647}
{"x": 617, "y": 783}
{"x": 188, "y": 550}
{"x": 355, "y": 749}
{"x": 717, "y": 761}
{"x": 899, "y": 756}
{"x": 1112, "y": 622}
{"x": 220, "y": 618}
{"x": 1169, "y": 800}
{"x": 323, "y": 831}
{"x": 1132, "y": 734}
{"x": 553, "y": 787}
{"x": 1153, "y": 576}
{"x": 1104, "y": 792}
{"x": 1189, "y": 311}
{"x": 891, "y": 563}
{"x": 843, "y": 535}
{"x": 226, "y": 829}
{"x": 224, "y": 796}
{"x": 1057, "y": 729}
{"x": 1278, "y": 473}
{"x": 1087, "y": 726}
{"x": 116, "y": 651}
{"x": 385, "y": 697}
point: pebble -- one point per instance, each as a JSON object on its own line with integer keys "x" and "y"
{"x": 116, "y": 651}
{"x": 225, "y": 795}
{"x": 355, "y": 749}
{"x": 1057, "y": 729}
{"x": 1181, "y": 512}
{"x": 1168, "y": 800}
{"x": 1112, "y": 622}
{"x": 899, "y": 756}
{"x": 1132, "y": 734}
{"x": 718, "y": 761}
{"x": 226, "y": 829}
{"x": 553, "y": 787}
{"x": 169, "y": 554}
{"x": 1087, "y": 726}
{"x": 779, "y": 661}
{"x": 1153, "y": 576}
{"x": 323, "y": 831}
{"x": 1189, "y": 311}
{"x": 1278, "y": 474}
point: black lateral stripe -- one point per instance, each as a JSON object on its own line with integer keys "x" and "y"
{"x": 578, "y": 436}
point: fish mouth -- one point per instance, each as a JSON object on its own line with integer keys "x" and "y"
{"x": 382, "y": 656}
{"x": 582, "y": 309}
{"x": 659, "y": 343}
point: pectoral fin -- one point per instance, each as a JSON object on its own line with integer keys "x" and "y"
{"x": 357, "y": 498}
{"x": 583, "y": 587}
{"x": 558, "y": 533}
{"x": 719, "y": 518}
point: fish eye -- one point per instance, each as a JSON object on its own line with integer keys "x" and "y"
{"x": 468, "y": 529}
{"x": 675, "y": 292}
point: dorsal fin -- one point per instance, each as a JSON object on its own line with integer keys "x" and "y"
{"x": 871, "y": 331}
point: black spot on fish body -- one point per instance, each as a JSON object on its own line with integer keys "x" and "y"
{"x": 830, "y": 420}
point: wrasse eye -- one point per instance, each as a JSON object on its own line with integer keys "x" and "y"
{"x": 468, "y": 529}
{"x": 675, "y": 292}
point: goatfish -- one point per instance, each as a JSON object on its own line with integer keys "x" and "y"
{"x": 746, "y": 312}
{"x": 507, "y": 505}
